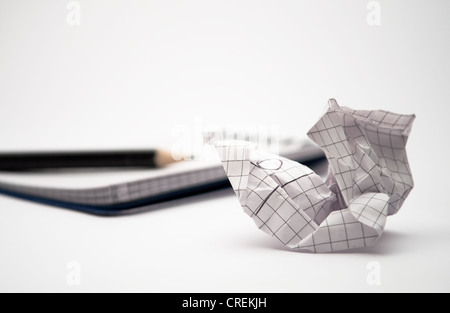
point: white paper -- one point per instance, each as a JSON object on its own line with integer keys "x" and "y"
{"x": 369, "y": 179}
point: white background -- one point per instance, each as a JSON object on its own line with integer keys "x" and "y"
{"x": 134, "y": 71}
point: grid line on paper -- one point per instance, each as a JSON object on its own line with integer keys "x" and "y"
{"x": 122, "y": 193}
{"x": 385, "y": 145}
{"x": 276, "y": 213}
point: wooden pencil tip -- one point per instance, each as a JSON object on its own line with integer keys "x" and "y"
{"x": 164, "y": 158}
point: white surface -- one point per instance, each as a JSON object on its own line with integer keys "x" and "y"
{"x": 134, "y": 71}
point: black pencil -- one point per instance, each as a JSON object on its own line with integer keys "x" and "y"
{"x": 84, "y": 159}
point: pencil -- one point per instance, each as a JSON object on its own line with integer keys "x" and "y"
{"x": 84, "y": 159}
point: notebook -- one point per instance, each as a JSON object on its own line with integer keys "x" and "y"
{"x": 115, "y": 192}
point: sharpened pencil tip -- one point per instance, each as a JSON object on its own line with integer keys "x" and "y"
{"x": 164, "y": 158}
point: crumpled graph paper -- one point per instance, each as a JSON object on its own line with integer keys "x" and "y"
{"x": 369, "y": 179}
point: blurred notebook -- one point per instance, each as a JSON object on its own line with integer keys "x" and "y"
{"x": 115, "y": 192}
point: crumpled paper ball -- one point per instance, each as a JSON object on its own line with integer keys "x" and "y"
{"x": 369, "y": 179}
